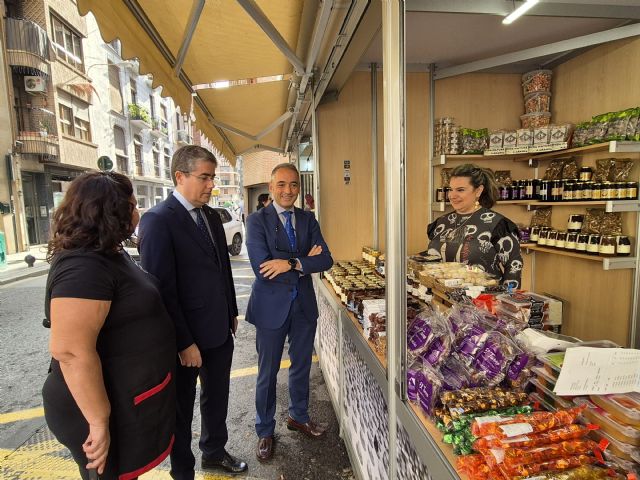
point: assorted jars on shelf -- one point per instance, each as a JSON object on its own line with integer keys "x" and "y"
{"x": 575, "y": 241}
{"x": 563, "y": 191}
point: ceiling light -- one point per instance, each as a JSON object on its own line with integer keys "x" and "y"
{"x": 518, "y": 12}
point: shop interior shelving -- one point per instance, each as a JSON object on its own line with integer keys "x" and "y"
{"x": 611, "y": 147}
{"x": 608, "y": 263}
{"x": 609, "y": 205}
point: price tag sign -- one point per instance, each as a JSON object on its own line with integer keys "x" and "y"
{"x": 347, "y": 172}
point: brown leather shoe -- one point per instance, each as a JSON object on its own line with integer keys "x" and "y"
{"x": 310, "y": 428}
{"x": 264, "y": 452}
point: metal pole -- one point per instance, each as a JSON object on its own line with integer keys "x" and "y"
{"x": 394, "y": 173}
{"x": 374, "y": 152}
{"x": 316, "y": 154}
{"x": 432, "y": 122}
{"x": 634, "y": 331}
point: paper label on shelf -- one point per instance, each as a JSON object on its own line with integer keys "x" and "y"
{"x": 540, "y": 148}
{"x": 494, "y": 151}
{"x": 488, "y": 419}
{"x": 516, "y": 429}
{"x": 598, "y": 371}
{"x": 516, "y": 150}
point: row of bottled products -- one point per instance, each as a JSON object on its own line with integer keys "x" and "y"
{"x": 559, "y": 191}
{"x": 590, "y": 244}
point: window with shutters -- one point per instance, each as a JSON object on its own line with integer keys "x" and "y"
{"x": 167, "y": 163}
{"x": 122, "y": 164}
{"x": 115, "y": 90}
{"x": 137, "y": 148}
{"x": 74, "y": 116}
{"x": 133, "y": 88}
{"x": 67, "y": 43}
{"x": 156, "y": 163}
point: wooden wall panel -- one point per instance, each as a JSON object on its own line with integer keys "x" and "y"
{"x": 604, "y": 79}
{"x": 345, "y": 134}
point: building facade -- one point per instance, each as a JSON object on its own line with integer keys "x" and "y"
{"x": 68, "y": 99}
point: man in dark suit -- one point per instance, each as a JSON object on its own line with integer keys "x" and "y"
{"x": 285, "y": 246}
{"x": 182, "y": 243}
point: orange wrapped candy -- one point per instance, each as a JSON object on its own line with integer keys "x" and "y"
{"x": 558, "y": 464}
{"x": 568, "y": 432}
{"x": 520, "y": 456}
{"x": 474, "y": 467}
{"x": 523, "y": 424}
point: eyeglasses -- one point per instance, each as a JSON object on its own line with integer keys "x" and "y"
{"x": 285, "y": 250}
{"x": 203, "y": 178}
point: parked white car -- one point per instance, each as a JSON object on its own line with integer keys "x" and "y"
{"x": 232, "y": 230}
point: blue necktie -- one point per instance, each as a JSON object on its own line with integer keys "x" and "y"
{"x": 205, "y": 231}
{"x": 288, "y": 227}
{"x": 291, "y": 234}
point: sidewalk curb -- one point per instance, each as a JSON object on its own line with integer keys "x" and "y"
{"x": 35, "y": 272}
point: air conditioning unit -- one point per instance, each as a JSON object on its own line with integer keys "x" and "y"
{"x": 34, "y": 84}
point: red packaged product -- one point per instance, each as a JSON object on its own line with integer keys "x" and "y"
{"x": 524, "y": 424}
{"x": 475, "y": 468}
{"x": 564, "y": 463}
{"x": 568, "y": 432}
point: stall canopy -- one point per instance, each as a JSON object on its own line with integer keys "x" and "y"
{"x": 242, "y": 67}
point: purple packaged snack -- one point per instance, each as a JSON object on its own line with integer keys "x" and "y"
{"x": 454, "y": 374}
{"x": 438, "y": 350}
{"x": 419, "y": 335}
{"x": 428, "y": 387}
{"x": 428, "y": 327}
{"x": 469, "y": 341}
{"x": 461, "y": 315}
{"x": 494, "y": 358}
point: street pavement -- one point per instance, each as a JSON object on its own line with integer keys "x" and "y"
{"x": 29, "y": 451}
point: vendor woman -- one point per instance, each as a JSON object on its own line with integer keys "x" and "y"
{"x": 474, "y": 234}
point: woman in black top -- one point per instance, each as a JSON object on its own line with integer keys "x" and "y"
{"x": 474, "y": 234}
{"x": 110, "y": 395}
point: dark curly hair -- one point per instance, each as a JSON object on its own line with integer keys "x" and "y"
{"x": 95, "y": 214}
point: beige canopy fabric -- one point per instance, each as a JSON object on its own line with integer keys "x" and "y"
{"x": 227, "y": 45}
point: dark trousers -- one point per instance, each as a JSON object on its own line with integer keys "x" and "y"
{"x": 214, "y": 400}
{"x": 270, "y": 344}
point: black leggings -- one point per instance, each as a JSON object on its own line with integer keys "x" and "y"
{"x": 67, "y": 423}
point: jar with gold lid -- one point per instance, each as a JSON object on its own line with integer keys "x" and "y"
{"x": 581, "y": 242}
{"x": 571, "y": 241}
{"x": 551, "y": 238}
{"x": 542, "y": 236}
{"x": 607, "y": 247}
{"x": 593, "y": 245}
{"x": 561, "y": 240}
{"x": 623, "y": 246}
{"x": 534, "y": 234}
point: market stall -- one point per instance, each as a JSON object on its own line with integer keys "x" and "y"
{"x": 388, "y": 435}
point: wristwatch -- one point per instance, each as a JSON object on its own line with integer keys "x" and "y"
{"x": 293, "y": 262}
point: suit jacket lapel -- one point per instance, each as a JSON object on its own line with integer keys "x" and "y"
{"x": 208, "y": 212}
{"x": 190, "y": 226}
{"x": 302, "y": 227}
{"x": 276, "y": 228}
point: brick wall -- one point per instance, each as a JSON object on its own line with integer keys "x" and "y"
{"x": 257, "y": 167}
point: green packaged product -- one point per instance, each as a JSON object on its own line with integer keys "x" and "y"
{"x": 598, "y": 129}
{"x": 474, "y": 141}
{"x": 618, "y": 123}
{"x": 580, "y": 134}
{"x": 632, "y": 124}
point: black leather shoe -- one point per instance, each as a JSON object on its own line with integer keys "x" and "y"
{"x": 228, "y": 463}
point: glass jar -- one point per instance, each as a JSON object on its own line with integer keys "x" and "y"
{"x": 581, "y": 242}
{"x": 632, "y": 190}
{"x": 536, "y": 188}
{"x": 593, "y": 246}
{"x": 572, "y": 239}
{"x": 578, "y": 189}
{"x": 523, "y": 189}
{"x": 575, "y": 223}
{"x": 561, "y": 240}
{"x": 556, "y": 190}
{"x": 567, "y": 192}
{"x": 446, "y": 193}
{"x": 533, "y": 235}
{"x": 607, "y": 247}
{"x": 585, "y": 174}
{"x": 439, "y": 194}
{"x": 608, "y": 191}
{"x": 551, "y": 238}
{"x": 544, "y": 191}
{"x": 503, "y": 193}
{"x": 528, "y": 189}
{"x": 596, "y": 192}
{"x": 514, "y": 191}
{"x": 623, "y": 246}
{"x": 587, "y": 191}
{"x": 620, "y": 191}
{"x": 542, "y": 237}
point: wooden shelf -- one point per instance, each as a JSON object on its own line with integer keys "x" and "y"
{"x": 608, "y": 263}
{"x": 611, "y": 147}
{"x": 609, "y": 205}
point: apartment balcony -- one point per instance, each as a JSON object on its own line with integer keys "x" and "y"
{"x": 27, "y": 45}
{"x": 183, "y": 138}
{"x": 159, "y": 128}
{"x": 45, "y": 146}
{"x": 139, "y": 116}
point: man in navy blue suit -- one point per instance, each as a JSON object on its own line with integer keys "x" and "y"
{"x": 182, "y": 243}
{"x": 285, "y": 247}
